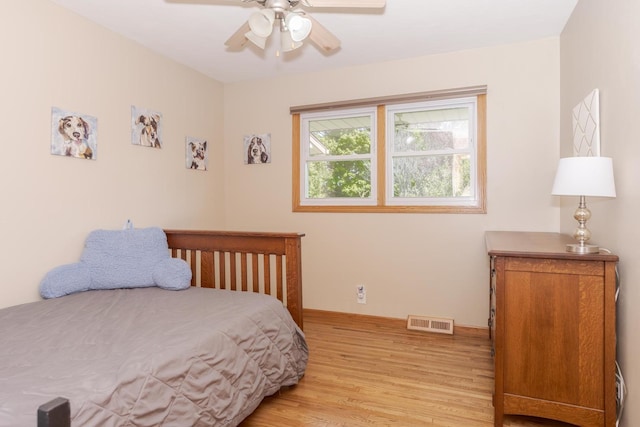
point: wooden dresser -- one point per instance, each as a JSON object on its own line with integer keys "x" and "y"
{"x": 553, "y": 329}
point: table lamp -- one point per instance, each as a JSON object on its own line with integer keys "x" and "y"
{"x": 584, "y": 176}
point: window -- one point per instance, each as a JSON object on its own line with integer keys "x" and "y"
{"x": 339, "y": 157}
{"x": 431, "y": 153}
{"x": 416, "y": 153}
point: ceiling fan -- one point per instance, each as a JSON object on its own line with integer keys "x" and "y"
{"x": 294, "y": 23}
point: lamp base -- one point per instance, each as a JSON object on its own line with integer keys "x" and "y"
{"x": 583, "y": 249}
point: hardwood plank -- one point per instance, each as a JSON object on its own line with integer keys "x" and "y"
{"x": 368, "y": 371}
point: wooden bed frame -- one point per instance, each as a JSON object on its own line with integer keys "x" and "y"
{"x": 266, "y": 262}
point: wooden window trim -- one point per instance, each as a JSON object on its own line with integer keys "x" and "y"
{"x": 394, "y": 99}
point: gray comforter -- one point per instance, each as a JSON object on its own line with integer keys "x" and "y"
{"x": 147, "y": 357}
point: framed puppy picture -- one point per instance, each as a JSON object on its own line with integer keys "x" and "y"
{"x": 197, "y": 154}
{"x": 146, "y": 127}
{"x": 74, "y": 134}
{"x": 257, "y": 149}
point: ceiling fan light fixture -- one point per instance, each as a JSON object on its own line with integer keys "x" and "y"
{"x": 261, "y": 23}
{"x": 299, "y": 26}
{"x": 261, "y": 42}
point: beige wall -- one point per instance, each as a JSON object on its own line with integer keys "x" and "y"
{"x": 51, "y": 57}
{"x": 599, "y": 49}
{"x": 424, "y": 264}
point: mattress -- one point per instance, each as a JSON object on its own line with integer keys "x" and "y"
{"x": 147, "y": 356}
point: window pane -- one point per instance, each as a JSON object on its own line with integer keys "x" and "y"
{"x": 340, "y": 136}
{"x": 443, "y": 176}
{"x": 429, "y": 130}
{"x": 339, "y": 179}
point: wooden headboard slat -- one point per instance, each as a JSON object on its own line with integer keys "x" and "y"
{"x": 233, "y": 271}
{"x": 243, "y": 269}
{"x": 193, "y": 267}
{"x": 280, "y": 293}
{"x": 207, "y": 267}
{"x": 255, "y": 273}
{"x": 267, "y": 273}
{"x": 222, "y": 271}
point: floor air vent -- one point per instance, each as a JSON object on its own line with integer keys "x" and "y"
{"x": 430, "y": 324}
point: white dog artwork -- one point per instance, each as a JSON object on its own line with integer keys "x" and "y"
{"x": 73, "y": 134}
{"x": 257, "y": 149}
{"x": 146, "y": 127}
{"x": 197, "y": 155}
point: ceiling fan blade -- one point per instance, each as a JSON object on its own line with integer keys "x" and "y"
{"x": 238, "y": 40}
{"x": 322, "y": 37}
{"x": 345, "y": 3}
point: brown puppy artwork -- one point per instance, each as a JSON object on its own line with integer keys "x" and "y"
{"x": 73, "y": 134}
{"x": 257, "y": 149}
{"x": 146, "y": 127}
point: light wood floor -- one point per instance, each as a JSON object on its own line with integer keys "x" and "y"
{"x": 367, "y": 371}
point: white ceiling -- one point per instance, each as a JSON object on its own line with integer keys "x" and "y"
{"x": 193, "y": 32}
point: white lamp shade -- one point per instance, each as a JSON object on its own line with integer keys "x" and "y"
{"x": 584, "y": 176}
{"x": 261, "y": 42}
{"x": 261, "y": 23}
{"x": 286, "y": 42}
{"x": 298, "y": 26}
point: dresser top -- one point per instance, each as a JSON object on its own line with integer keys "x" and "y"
{"x": 537, "y": 245}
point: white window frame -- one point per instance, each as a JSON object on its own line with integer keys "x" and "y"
{"x": 305, "y": 157}
{"x": 391, "y": 110}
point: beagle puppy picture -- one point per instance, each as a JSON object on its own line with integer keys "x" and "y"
{"x": 73, "y": 134}
{"x": 146, "y": 128}
{"x": 257, "y": 149}
{"x": 197, "y": 157}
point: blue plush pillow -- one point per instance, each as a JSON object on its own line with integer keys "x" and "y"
{"x": 131, "y": 258}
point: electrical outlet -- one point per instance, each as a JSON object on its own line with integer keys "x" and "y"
{"x": 361, "y": 294}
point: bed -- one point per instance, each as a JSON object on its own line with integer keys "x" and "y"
{"x": 202, "y": 356}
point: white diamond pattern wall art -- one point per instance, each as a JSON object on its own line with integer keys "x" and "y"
{"x": 586, "y": 126}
